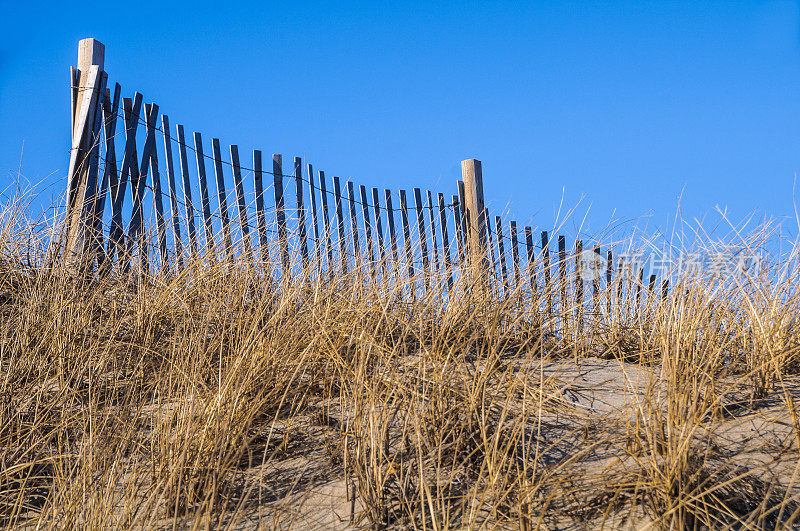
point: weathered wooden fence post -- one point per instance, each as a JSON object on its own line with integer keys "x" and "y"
{"x": 88, "y": 89}
{"x": 476, "y": 226}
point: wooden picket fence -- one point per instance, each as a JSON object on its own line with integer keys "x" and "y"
{"x": 452, "y": 242}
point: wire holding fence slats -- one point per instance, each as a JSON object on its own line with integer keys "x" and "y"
{"x": 424, "y": 257}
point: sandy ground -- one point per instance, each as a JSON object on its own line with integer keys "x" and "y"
{"x": 305, "y": 488}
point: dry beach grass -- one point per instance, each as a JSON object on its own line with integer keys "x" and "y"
{"x": 219, "y": 399}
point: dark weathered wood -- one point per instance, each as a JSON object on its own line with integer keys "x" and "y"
{"x": 609, "y": 262}
{"x": 651, "y": 285}
{"x": 462, "y": 220}
{"x": 138, "y": 185}
{"x": 129, "y": 172}
{"x": 312, "y": 194}
{"x": 110, "y": 182}
{"x": 531, "y": 252}
{"x": 562, "y": 273}
{"x": 457, "y": 218}
{"x": 187, "y": 191}
{"x": 301, "y": 215}
{"x": 368, "y": 231}
{"x": 445, "y": 242}
{"x": 280, "y": 214}
{"x": 434, "y": 243}
{"x": 490, "y": 250}
{"x": 158, "y": 197}
{"x": 337, "y": 194}
{"x": 244, "y": 224}
{"x": 173, "y": 195}
{"x": 578, "y": 288}
{"x": 205, "y": 203}
{"x": 136, "y": 232}
{"x": 261, "y": 220}
{"x": 664, "y": 289}
{"x": 222, "y": 199}
{"x": 376, "y": 206}
{"x": 423, "y": 236}
{"x": 596, "y": 281}
{"x": 515, "y": 254}
{"x": 323, "y": 194}
{"x": 392, "y": 231}
{"x": 354, "y": 226}
{"x": 548, "y": 286}
{"x": 638, "y": 300}
{"x": 407, "y": 241}
{"x": 651, "y": 300}
{"x": 501, "y": 252}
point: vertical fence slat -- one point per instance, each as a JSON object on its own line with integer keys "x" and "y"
{"x": 407, "y": 241}
{"x": 244, "y": 224}
{"x": 515, "y": 254}
{"x": 301, "y": 215}
{"x": 548, "y": 286}
{"x": 323, "y": 194}
{"x": 650, "y": 287}
{"x": 463, "y": 224}
{"x": 562, "y": 272}
{"x": 376, "y": 206}
{"x": 578, "y": 288}
{"x": 95, "y": 185}
{"x": 312, "y": 194}
{"x": 130, "y": 168}
{"x": 354, "y": 227}
{"x": 609, "y": 262}
{"x": 434, "y": 243}
{"x": 445, "y": 242}
{"x": 392, "y": 232}
{"x": 650, "y": 305}
{"x": 222, "y": 198}
{"x": 173, "y": 196}
{"x": 638, "y": 300}
{"x": 368, "y": 230}
{"x": 280, "y": 214}
{"x": 501, "y": 252}
{"x": 490, "y": 249}
{"x": 187, "y": 191}
{"x": 158, "y": 198}
{"x": 531, "y": 252}
{"x": 337, "y": 194}
{"x": 204, "y": 199}
{"x": 136, "y": 226}
{"x": 423, "y": 236}
{"x": 596, "y": 255}
{"x": 458, "y": 229}
{"x": 261, "y": 220}
{"x": 110, "y": 175}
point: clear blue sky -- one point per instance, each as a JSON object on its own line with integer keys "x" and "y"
{"x": 630, "y": 104}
